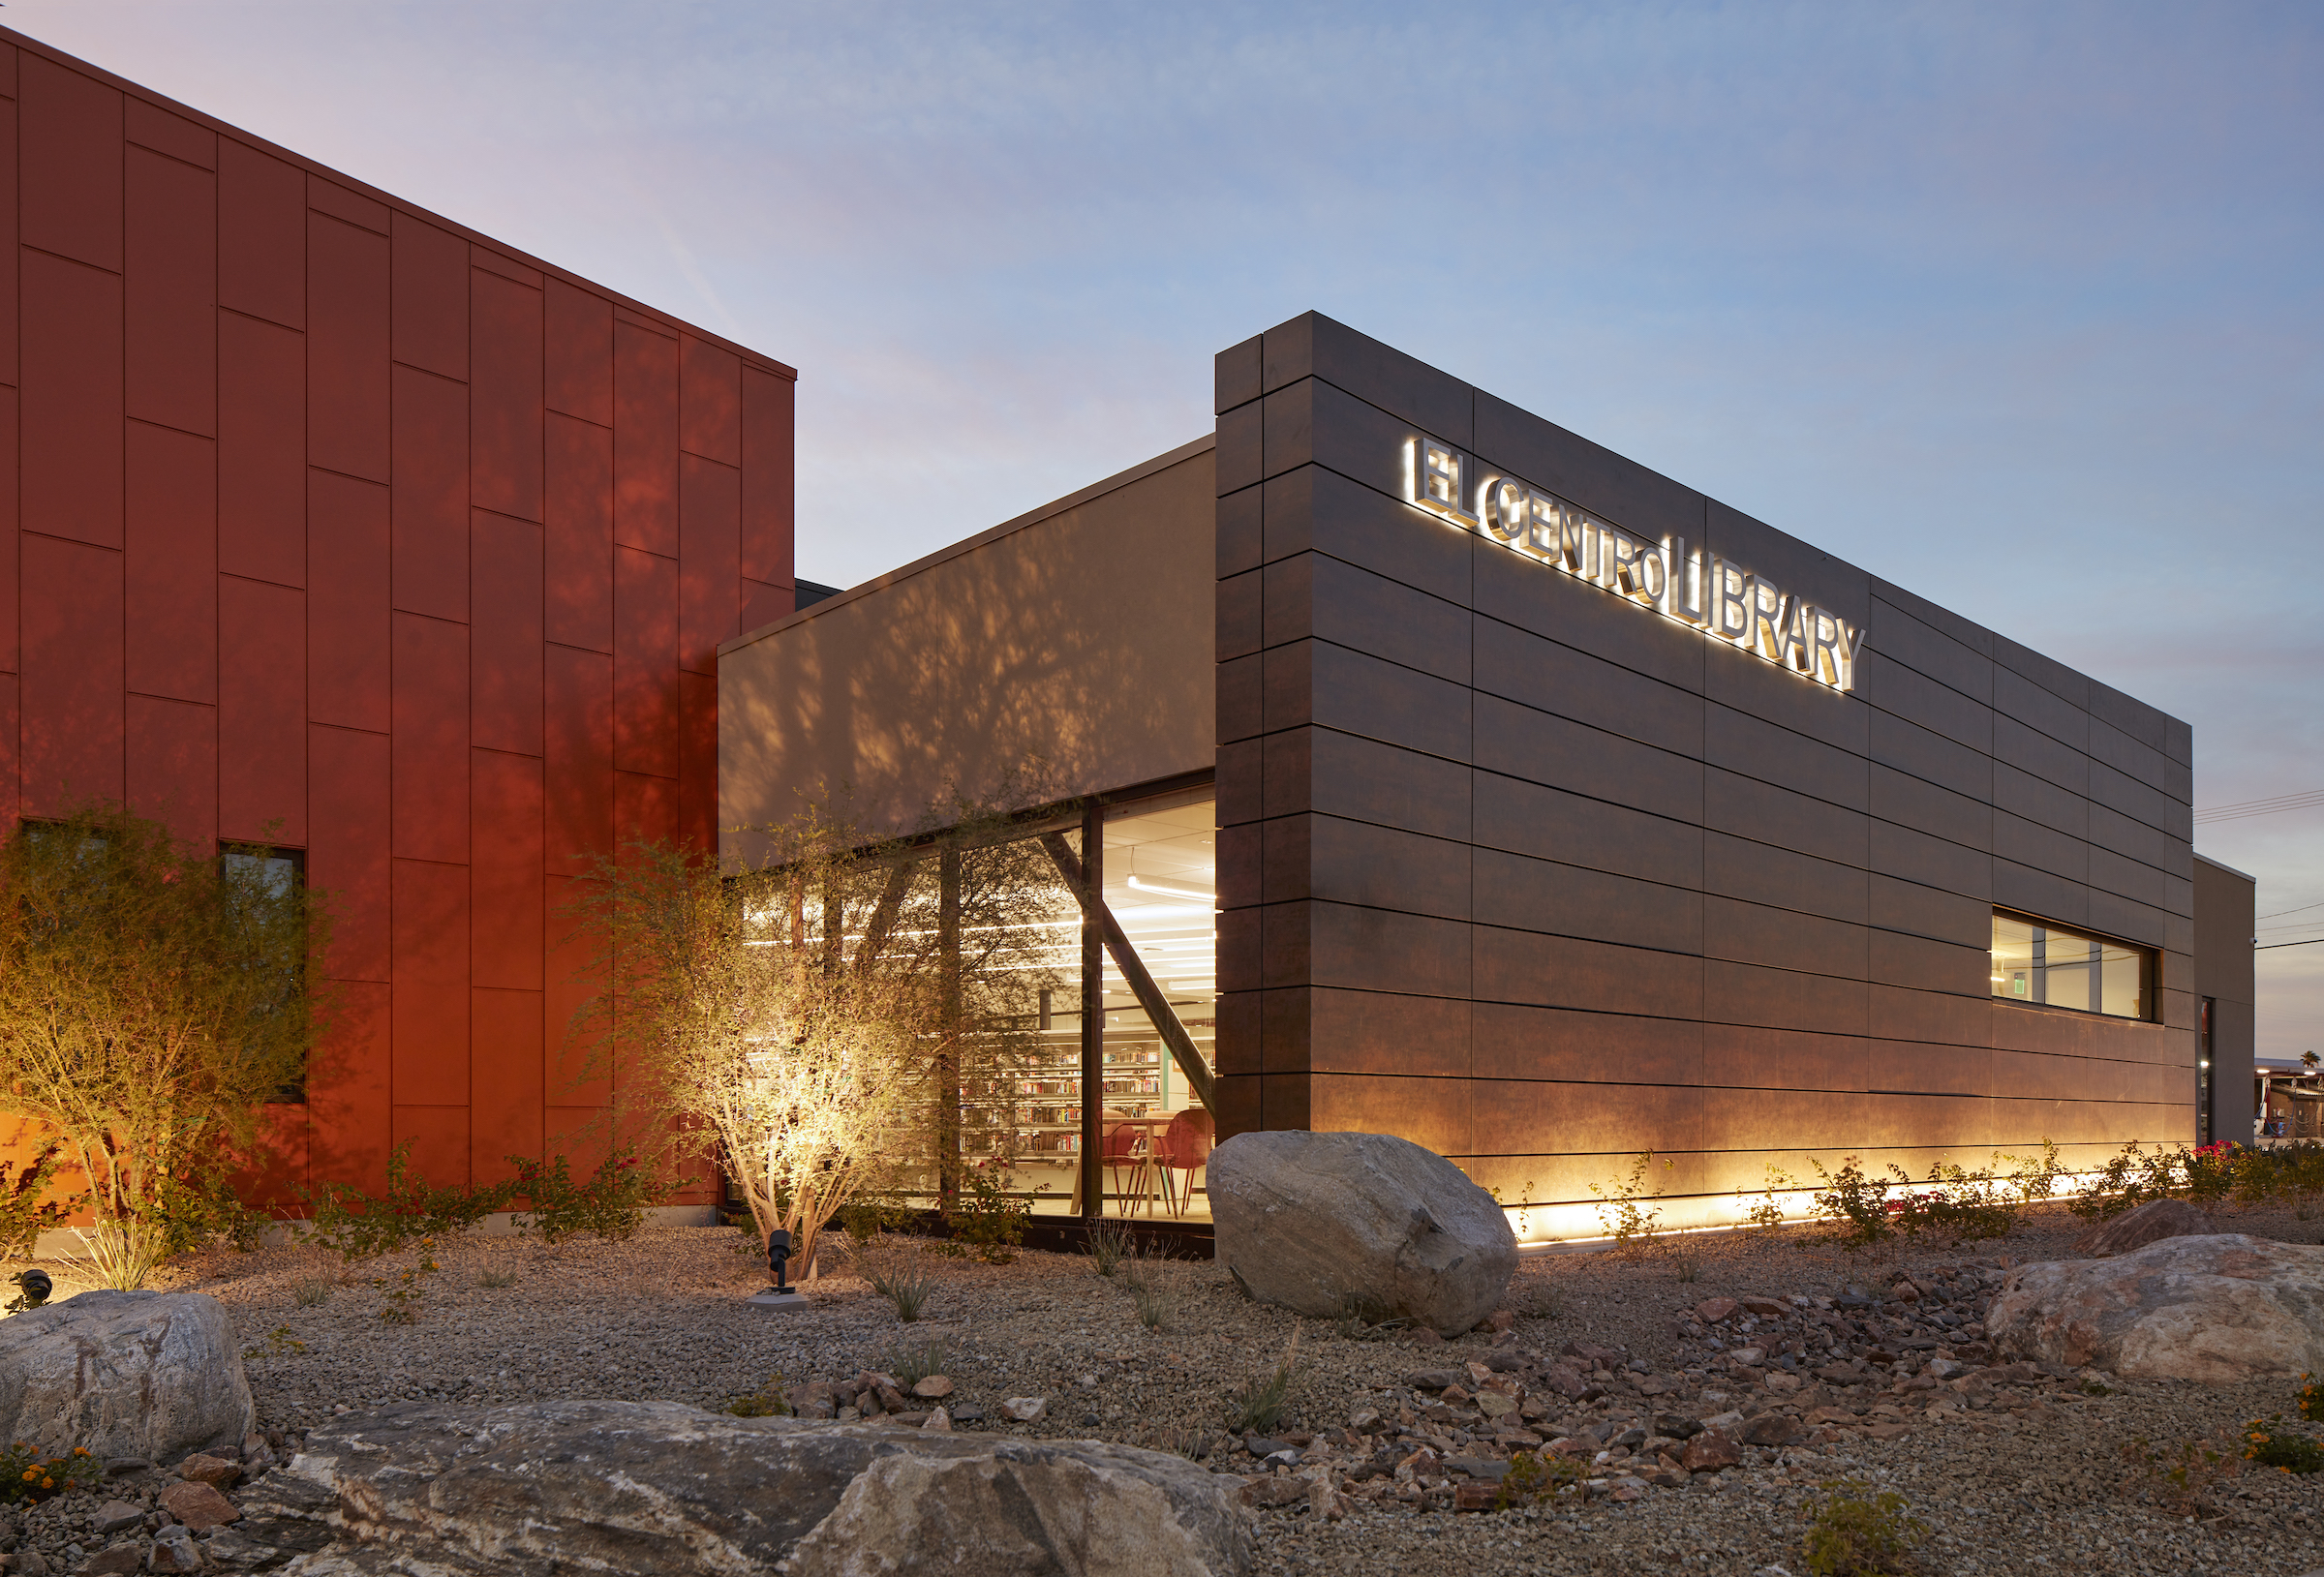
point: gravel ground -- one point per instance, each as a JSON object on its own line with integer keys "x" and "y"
{"x": 2014, "y": 1471}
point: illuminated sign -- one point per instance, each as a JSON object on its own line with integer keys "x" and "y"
{"x": 1716, "y": 596}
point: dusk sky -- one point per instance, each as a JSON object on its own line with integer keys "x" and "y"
{"x": 2017, "y": 306}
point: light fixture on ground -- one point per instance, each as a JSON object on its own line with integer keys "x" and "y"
{"x": 782, "y": 1295}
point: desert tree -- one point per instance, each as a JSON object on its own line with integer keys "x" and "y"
{"x": 817, "y": 1017}
{"x": 154, "y": 996}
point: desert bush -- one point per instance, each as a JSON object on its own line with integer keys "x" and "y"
{"x": 1621, "y": 1207}
{"x": 773, "y": 1400}
{"x": 1109, "y": 1244}
{"x": 354, "y": 1224}
{"x": 914, "y": 1361}
{"x": 985, "y": 1215}
{"x": 1857, "y": 1534}
{"x": 154, "y": 996}
{"x": 27, "y": 1475}
{"x": 901, "y": 1279}
{"x": 2185, "y": 1479}
{"x": 2286, "y": 1450}
{"x": 1532, "y": 1477}
{"x": 24, "y": 1213}
{"x": 611, "y": 1203}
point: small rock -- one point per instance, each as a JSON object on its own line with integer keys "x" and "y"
{"x": 1422, "y": 1336}
{"x": 1476, "y": 1496}
{"x": 2150, "y": 1223}
{"x": 28, "y": 1564}
{"x": 1025, "y": 1408}
{"x": 1262, "y": 1447}
{"x": 1720, "y": 1423}
{"x": 940, "y": 1421}
{"x": 199, "y": 1506}
{"x": 117, "y": 1562}
{"x": 174, "y": 1550}
{"x": 1715, "y": 1311}
{"x": 1905, "y": 1291}
{"x": 1500, "y": 1319}
{"x": 934, "y": 1387}
{"x": 967, "y": 1415}
{"x": 1771, "y": 1429}
{"x": 1766, "y": 1308}
{"x": 1709, "y": 1452}
{"x": 1274, "y": 1492}
{"x": 215, "y": 1472}
{"x": 1750, "y": 1357}
{"x": 1365, "y": 1420}
{"x": 115, "y": 1516}
{"x": 123, "y": 1467}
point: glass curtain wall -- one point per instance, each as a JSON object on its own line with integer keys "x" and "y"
{"x": 1160, "y": 882}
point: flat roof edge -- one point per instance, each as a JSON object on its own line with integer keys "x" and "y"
{"x": 2222, "y": 864}
{"x": 757, "y": 359}
{"x": 969, "y": 544}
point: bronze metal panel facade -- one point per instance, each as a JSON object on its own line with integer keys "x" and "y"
{"x": 1082, "y": 633}
{"x": 1544, "y": 880}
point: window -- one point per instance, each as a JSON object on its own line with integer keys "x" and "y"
{"x": 276, "y": 873}
{"x": 2037, "y": 962}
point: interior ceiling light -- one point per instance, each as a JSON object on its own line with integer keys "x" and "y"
{"x": 1140, "y": 884}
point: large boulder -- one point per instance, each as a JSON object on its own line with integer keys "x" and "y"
{"x": 2219, "y": 1308}
{"x": 1325, "y": 1223}
{"x": 560, "y": 1487}
{"x": 153, "y": 1375}
{"x": 2150, "y": 1223}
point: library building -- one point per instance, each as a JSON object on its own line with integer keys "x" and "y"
{"x": 1411, "y": 765}
{"x": 1446, "y": 774}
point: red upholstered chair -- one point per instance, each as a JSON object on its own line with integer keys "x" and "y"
{"x": 1184, "y": 1146}
{"x": 1126, "y": 1147}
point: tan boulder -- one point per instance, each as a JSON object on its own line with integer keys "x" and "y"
{"x": 1320, "y": 1223}
{"x": 198, "y": 1505}
{"x": 2150, "y": 1223}
{"x": 2218, "y": 1308}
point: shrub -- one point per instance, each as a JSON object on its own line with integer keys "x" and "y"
{"x": 154, "y": 996}
{"x": 1532, "y": 1477}
{"x": 2310, "y": 1398}
{"x": 26, "y": 1475}
{"x": 2286, "y": 1450}
{"x": 355, "y": 1225}
{"x": 612, "y": 1204}
{"x": 1155, "y": 1306}
{"x": 2184, "y": 1481}
{"x": 1855, "y": 1534}
{"x": 1855, "y": 1202}
{"x": 987, "y": 1216}
{"x": 24, "y": 1214}
{"x": 1767, "y": 1210}
{"x": 770, "y": 1401}
{"x": 1620, "y": 1212}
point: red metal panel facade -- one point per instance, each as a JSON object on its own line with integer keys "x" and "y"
{"x": 321, "y": 514}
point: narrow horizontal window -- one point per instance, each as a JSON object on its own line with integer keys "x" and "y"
{"x": 2035, "y": 961}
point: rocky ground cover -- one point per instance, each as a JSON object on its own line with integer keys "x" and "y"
{"x": 1693, "y": 1402}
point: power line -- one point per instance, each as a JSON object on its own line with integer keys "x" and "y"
{"x": 2309, "y": 943}
{"x": 2306, "y": 799}
{"x": 2277, "y": 914}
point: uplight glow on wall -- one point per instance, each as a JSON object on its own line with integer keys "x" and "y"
{"x": 1714, "y": 594}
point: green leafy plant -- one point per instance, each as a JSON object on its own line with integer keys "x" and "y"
{"x": 26, "y": 1475}
{"x": 987, "y": 1216}
{"x": 23, "y": 1213}
{"x": 355, "y": 1226}
{"x": 1767, "y": 1210}
{"x": 1621, "y": 1208}
{"x": 154, "y": 996}
{"x": 1857, "y": 1534}
{"x": 868, "y": 1215}
{"x": 2284, "y": 1449}
{"x": 773, "y": 1400}
{"x": 611, "y": 1204}
{"x": 1258, "y": 1403}
{"x": 1533, "y": 1476}
{"x": 2183, "y": 1480}
{"x": 1855, "y": 1203}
